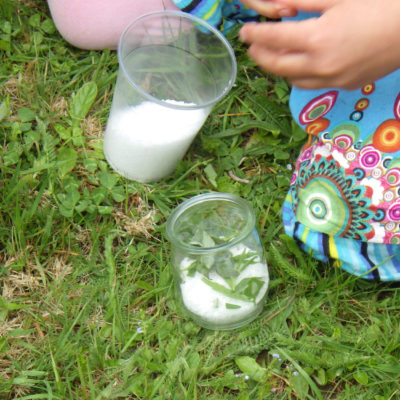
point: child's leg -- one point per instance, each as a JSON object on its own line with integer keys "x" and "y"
{"x": 98, "y": 24}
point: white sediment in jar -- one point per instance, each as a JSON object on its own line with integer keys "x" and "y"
{"x": 210, "y": 305}
{"x": 145, "y": 142}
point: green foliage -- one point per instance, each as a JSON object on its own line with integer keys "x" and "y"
{"x": 251, "y": 368}
{"x": 87, "y": 307}
{"x": 82, "y": 101}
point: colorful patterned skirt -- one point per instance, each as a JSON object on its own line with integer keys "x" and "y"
{"x": 344, "y": 199}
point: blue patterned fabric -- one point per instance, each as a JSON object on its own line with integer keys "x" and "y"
{"x": 344, "y": 199}
{"x": 374, "y": 261}
{"x": 222, "y": 14}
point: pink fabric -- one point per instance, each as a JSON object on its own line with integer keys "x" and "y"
{"x": 98, "y": 24}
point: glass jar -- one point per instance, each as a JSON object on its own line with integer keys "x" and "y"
{"x": 220, "y": 272}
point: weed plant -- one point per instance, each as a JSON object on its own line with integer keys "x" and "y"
{"x": 87, "y": 308}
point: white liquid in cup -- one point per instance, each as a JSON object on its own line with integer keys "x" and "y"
{"x": 145, "y": 142}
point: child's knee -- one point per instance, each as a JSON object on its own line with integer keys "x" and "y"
{"x": 98, "y": 24}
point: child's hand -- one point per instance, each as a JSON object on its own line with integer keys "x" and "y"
{"x": 271, "y": 8}
{"x": 352, "y": 43}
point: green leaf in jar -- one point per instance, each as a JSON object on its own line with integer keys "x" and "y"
{"x": 230, "y": 306}
{"x": 243, "y": 260}
{"x": 250, "y": 287}
{"x": 225, "y": 266}
{"x": 207, "y": 240}
{"x": 225, "y": 291}
{"x": 202, "y": 239}
{"x": 197, "y": 266}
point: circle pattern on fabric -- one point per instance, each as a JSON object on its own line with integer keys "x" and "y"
{"x": 390, "y": 226}
{"x": 357, "y": 169}
{"x": 318, "y": 107}
{"x": 369, "y": 157}
{"x": 393, "y": 177}
{"x": 395, "y": 239}
{"x": 386, "y": 162}
{"x": 377, "y": 173}
{"x": 317, "y": 126}
{"x": 318, "y": 208}
{"x": 328, "y": 201}
{"x": 379, "y": 215}
{"x": 368, "y": 89}
{"x": 356, "y": 116}
{"x": 388, "y": 195}
{"x": 387, "y": 136}
{"x": 343, "y": 141}
{"x": 359, "y": 173}
{"x": 362, "y": 104}
{"x": 351, "y": 156}
{"x": 394, "y": 212}
{"x": 348, "y": 129}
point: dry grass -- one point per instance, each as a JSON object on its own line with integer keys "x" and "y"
{"x": 91, "y": 127}
{"x": 140, "y": 220}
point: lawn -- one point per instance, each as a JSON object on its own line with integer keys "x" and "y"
{"x": 87, "y": 306}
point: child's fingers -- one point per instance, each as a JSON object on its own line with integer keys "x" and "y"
{"x": 297, "y": 67}
{"x": 270, "y": 8}
{"x": 309, "y": 83}
{"x": 309, "y": 5}
{"x": 290, "y": 36}
{"x": 318, "y": 82}
{"x": 292, "y": 65}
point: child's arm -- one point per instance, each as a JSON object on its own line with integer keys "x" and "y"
{"x": 352, "y": 43}
{"x": 98, "y": 24}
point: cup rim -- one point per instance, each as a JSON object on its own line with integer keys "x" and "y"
{"x": 203, "y": 198}
{"x": 200, "y": 21}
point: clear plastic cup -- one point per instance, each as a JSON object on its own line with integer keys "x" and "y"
{"x": 173, "y": 68}
{"x": 220, "y": 272}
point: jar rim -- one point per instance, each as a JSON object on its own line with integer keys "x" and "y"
{"x": 202, "y": 199}
{"x": 195, "y": 20}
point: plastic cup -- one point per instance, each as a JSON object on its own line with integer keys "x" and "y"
{"x": 173, "y": 68}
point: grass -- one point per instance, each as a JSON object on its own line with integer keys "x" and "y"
{"x": 87, "y": 309}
